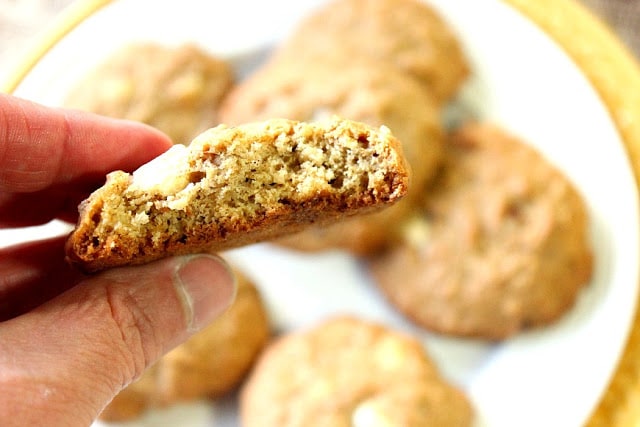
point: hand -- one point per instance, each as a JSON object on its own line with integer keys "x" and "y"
{"x": 69, "y": 342}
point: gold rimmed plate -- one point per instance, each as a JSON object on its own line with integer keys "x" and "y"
{"x": 530, "y": 76}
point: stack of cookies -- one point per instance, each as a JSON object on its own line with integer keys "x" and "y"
{"x": 488, "y": 240}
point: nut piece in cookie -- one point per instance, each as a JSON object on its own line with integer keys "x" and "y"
{"x": 127, "y": 86}
{"x": 234, "y": 186}
{"x": 501, "y": 245}
{"x": 208, "y": 365}
{"x": 349, "y": 372}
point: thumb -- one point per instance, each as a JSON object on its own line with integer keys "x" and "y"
{"x": 64, "y": 361}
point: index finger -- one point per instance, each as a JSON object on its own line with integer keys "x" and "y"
{"x": 42, "y": 147}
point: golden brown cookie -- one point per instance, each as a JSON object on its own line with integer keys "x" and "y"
{"x": 371, "y": 93}
{"x": 209, "y": 365}
{"x": 349, "y": 372}
{"x": 407, "y": 34}
{"x": 502, "y": 243}
{"x": 175, "y": 89}
{"x": 234, "y": 186}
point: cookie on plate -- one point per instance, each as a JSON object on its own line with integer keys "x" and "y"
{"x": 217, "y": 358}
{"x": 362, "y": 91}
{"x": 175, "y": 89}
{"x": 359, "y": 90}
{"x": 234, "y": 186}
{"x": 407, "y": 34}
{"x": 501, "y": 245}
{"x": 349, "y": 372}
{"x": 208, "y": 365}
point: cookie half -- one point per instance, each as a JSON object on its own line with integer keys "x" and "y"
{"x": 502, "y": 243}
{"x": 349, "y": 372}
{"x": 234, "y": 186}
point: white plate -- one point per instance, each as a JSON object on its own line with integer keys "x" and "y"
{"x": 522, "y": 80}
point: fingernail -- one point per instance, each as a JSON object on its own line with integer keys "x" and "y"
{"x": 206, "y": 286}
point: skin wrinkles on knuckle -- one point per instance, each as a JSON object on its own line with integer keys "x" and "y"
{"x": 4, "y": 145}
{"x": 69, "y": 134}
{"x": 66, "y": 145}
{"x": 32, "y": 147}
{"x": 4, "y": 133}
{"x": 134, "y": 331}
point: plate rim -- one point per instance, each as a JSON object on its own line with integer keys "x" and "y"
{"x": 605, "y": 61}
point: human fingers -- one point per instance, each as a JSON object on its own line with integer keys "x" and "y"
{"x": 65, "y": 360}
{"x": 33, "y": 273}
{"x": 61, "y": 202}
{"x": 42, "y": 147}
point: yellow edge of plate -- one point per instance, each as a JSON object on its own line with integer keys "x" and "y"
{"x": 615, "y": 74}
{"x": 70, "y": 18}
{"x": 611, "y": 69}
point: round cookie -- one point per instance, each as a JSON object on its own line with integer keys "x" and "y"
{"x": 409, "y": 34}
{"x": 371, "y": 93}
{"x": 209, "y": 364}
{"x": 349, "y": 372}
{"x": 176, "y": 90}
{"x": 502, "y": 244}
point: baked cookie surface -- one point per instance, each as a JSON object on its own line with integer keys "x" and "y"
{"x": 234, "y": 186}
{"x": 407, "y": 34}
{"x": 174, "y": 89}
{"x": 501, "y": 245}
{"x": 361, "y": 91}
{"x": 208, "y": 365}
{"x": 349, "y": 372}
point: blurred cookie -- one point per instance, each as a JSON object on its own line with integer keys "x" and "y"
{"x": 210, "y": 364}
{"x": 176, "y": 90}
{"x": 371, "y": 93}
{"x": 408, "y": 34}
{"x": 502, "y": 243}
{"x": 215, "y": 360}
{"x": 349, "y": 372}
